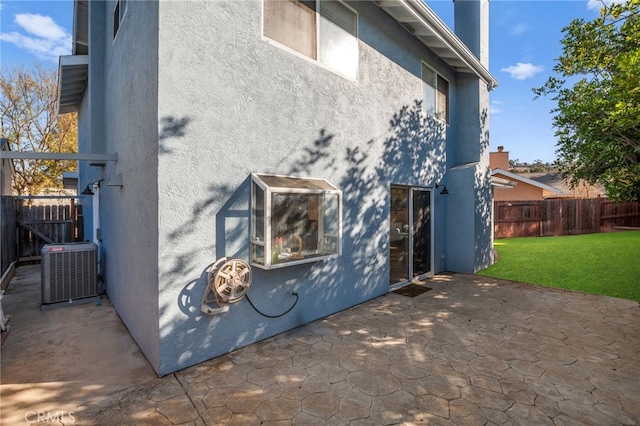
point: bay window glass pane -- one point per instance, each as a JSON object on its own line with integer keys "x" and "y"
{"x": 292, "y": 23}
{"x": 331, "y": 224}
{"x": 258, "y": 213}
{"x": 294, "y": 227}
{"x": 331, "y": 214}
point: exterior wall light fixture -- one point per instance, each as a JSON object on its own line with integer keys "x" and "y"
{"x": 444, "y": 191}
{"x": 89, "y": 189}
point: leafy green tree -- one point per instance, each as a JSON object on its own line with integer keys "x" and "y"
{"x": 597, "y": 91}
{"x": 30, "y": 122}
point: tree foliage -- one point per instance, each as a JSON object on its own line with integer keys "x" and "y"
{"x": 30, "y": 122}
{"x": 597, "y": 91}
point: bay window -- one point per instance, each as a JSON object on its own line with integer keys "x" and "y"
{"x": 293, "y": 220}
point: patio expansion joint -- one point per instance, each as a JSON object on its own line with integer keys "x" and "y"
{"x": 186, "y": 392}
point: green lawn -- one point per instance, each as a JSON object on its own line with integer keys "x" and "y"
{"x": 606, "y": 264}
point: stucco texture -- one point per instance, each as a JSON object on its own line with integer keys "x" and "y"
{"x": 231, "y": 103}
{"x": 119, "y": 115}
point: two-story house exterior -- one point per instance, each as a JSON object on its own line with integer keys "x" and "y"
{"x": 312, "y": 140}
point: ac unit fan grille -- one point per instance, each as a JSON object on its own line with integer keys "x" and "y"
{"x": 69, "y": 273}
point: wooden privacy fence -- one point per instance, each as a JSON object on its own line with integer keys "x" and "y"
{"x": 8, "y": 245}
{"x": 538, "y": 218}
{"x": 38, "y": 225}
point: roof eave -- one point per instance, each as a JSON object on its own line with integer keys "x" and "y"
{"x": 81, "y": 27}
{"x": 417, "y": 18}
{"x": 528, "y": 181}
{"x": 73, "y": 72}
{"x": 502, "y": 183}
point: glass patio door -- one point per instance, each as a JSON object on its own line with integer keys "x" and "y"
{"x": 410, "y": 234}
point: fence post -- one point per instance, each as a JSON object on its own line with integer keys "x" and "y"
{"x": 598, "y": 213}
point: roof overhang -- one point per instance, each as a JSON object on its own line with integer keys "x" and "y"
{"x": 526, "y": 180}
{"x": 499, "y": 182}
{"x": 73, "y": 72}
{"x": 81, "y": 27}
{"x": 417, "y": 18}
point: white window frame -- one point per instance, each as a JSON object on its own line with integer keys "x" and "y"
{"x": 268, "y": 248}
{"x": 317, "y": 60}
{"x": 436, "y": 105}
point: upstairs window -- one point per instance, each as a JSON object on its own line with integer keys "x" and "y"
{"x": 323, "y": 30}
{"x": 293, "y": 220}
{"x": 435, "y": 94}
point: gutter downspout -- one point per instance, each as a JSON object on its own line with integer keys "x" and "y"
{"x": 97, "y": 237}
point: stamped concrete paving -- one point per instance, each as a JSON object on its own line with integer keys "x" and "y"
{"x": 470, "y": 351}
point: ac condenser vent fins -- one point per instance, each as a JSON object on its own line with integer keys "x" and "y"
{"x": 69, "y": 274}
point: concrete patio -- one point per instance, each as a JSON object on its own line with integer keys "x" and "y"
{"x": 471, "y": 351}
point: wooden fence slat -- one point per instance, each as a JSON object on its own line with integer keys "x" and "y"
{"x": 562, "y": 217}
{"x": 46, "y": 224}
{"x": 37, "y": 233}
{"x": 8, "y": 242}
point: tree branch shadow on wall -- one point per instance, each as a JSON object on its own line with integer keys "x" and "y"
{"x": 171, "y": 128}
{"x": 484, "y": 199}
{"x": 412, "y": 151}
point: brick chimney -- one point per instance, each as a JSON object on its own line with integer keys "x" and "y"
{"x": 499, "y": 159}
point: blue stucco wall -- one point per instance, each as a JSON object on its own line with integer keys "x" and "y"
{"x": 194, "y": 99}
{"x": 118, "y": 114}
{"x": 238, "y": 104}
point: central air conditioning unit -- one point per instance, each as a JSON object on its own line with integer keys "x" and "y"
{"x": 69, "y": 274}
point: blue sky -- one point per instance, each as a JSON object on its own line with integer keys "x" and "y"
{"x": 524, "y": 41}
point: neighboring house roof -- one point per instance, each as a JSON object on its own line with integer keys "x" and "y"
{"x": 556, "y": 180}
{"x": 551, "y": 179}
{"x": 519, "y": 178}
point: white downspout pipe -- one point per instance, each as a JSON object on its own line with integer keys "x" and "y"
{"x": 96, "y": 220}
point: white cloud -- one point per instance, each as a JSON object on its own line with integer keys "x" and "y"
{"x": 598, "y": 4}
{"x": 41, "y": 26}
{"x": 44, "y": 38}
{"x": 494, "y": 107}
{"x": 522, "y": 71}
{"x": 519, "y": 29}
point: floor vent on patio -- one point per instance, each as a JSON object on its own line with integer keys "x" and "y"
{"x": 412, "y": 290}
